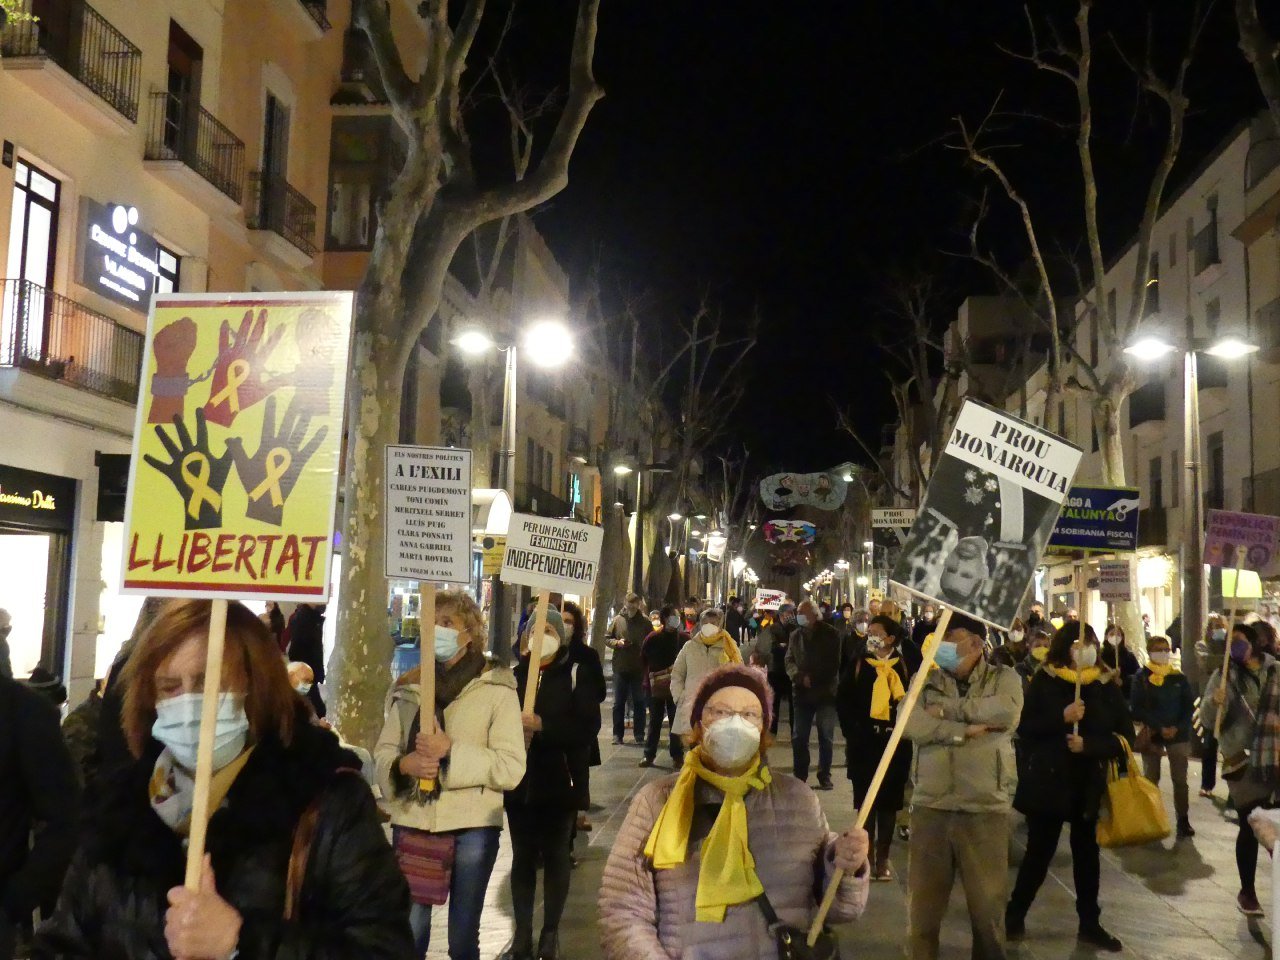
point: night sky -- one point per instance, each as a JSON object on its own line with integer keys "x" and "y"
{"x": 788, "y": 156}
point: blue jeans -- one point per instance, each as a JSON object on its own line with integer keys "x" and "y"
{"x": 806, "y": 713}
{"x": 628, "y": 684}
{"x": 474, "y": 856}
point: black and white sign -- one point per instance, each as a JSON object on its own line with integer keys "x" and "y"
{"x": 429, "y": 514}
{"x": 1115, "y": 581}
{"x": 556, "y": 555}
{"x": 119, "y": 261}
{"x": 990, "y": 508}
{"x": 888, "y": 518}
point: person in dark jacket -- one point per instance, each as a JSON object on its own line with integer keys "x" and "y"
{"x": 769, "y": 649}
{"x": 813, "y": 663}
{"x": 38, "y": 792}
{"x": 1163, "y": 703}
{"x": 284, "y": 797}
{"x": 925, "y": 625}
{"x": 542, "y": 809}
{"x": 590, "y": 671}
{"x": 273, "y": 617}
{"x": 1119, "y": 659}
{"x": 657, "y": 654}
{"x": 112, "y": 750}
{"x": 1063, "y": 775}
{"x": 735, "y": 621}
{"x": 626, "y": 634}
{"x": 871, "y": 686}
{"x": 306, "y": 645}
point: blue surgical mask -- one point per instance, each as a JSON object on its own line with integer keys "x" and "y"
{"x": 446, "y": 643}
{"x": 948, "y": 656}
{"x": 177, "y": 726}
{"x": 802, "y": 620}
{"x": 1218, "y": 633}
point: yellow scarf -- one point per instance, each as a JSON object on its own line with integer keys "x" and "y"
{"x": 888, "y": 685}
{"x": 1087, "y": 675}
{"x": 727, "y": 874}
{"x": 1159, "y": 671}
{"x": 731, "y": 653}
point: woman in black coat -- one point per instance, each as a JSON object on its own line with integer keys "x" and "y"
{"x": 1119, "y": 659}
{"x": 542, "y": 809}
{"x": 590, "y": 672}
{"x": 297, "y": 867}
{"x": 867, "y": 717}
{"x": 1063, "y": 774}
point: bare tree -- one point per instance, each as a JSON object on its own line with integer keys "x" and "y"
{"x": 436, "y": 200}
{"x": 1260, "y": 49}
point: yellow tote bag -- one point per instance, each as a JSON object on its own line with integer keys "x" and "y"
{"x": 1133, "y": 811}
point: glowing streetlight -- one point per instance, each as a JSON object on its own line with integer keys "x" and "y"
{"x": 674, "y": 517}
{"x": 1150, "y": 348}
{"x": 621, "y": 470}
{"x": 548, "y": 343}
{"x": 1231, "y": 348}
{"x": 474, "y": 342}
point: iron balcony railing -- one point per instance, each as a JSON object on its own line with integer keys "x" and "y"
{"x": 277, "y": 206}
{"x": 181, "y": 130}
{"x": 56, "y": 337}
{"x": 82, "y": 42}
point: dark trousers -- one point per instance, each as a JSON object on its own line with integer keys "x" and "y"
{"x": 627, "y": 686}
{"x": 1247, "y": 849}
{"x": 545, "y": 832}
{"x": 658, "y": 707}
{"x": 1209, "y": 764}
{"x": 879, "y": 826}
{"x": 805, "y": 715}
{"x": 781, "y": 686}
{"x": 1042, "y": 843}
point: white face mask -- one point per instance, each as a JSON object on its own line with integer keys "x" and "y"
{"x": 302, "y": 688}
{"x": 1086, "y": 657}
{"x": 709, "y": 630}
{"x": 177, "y": 726}
{"x": 1160, "y": 656}
{"x": 1113, "y": 639}
{"x": 731, "y": 742}
{"x": 1015, "y": 636}
{"x": 550, "y": 646}
{"x": 860, "y": 628}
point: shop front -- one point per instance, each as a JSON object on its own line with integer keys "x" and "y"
{"x": 37, "y": 526}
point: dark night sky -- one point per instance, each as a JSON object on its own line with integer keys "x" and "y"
{"x": 779, "y": 155}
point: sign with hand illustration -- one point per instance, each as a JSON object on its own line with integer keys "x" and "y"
{"x": 233, "y": 479}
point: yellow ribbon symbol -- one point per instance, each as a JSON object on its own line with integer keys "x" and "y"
{"x": 278, "y": 461}
{"x": 195, "y": 470}
{"x": 237, "y": 374}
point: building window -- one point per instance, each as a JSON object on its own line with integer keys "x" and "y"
{"x": 1152, "y": 303}
{"x": 169, "y": 275}
{"x": 1212, "y": 315}
{"x": 33, "y": 246}
{"x": 365, "y": 154}
{"x": 1155, "y": 483}
{"x": 185, "y": 61}
{"x": 1216, "y": 488}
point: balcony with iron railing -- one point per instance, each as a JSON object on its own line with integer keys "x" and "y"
{"x": 187, "y": 133}
{"x": 73, "y": 36}
{"x": 1204, "y": 247}
{"x": 276, "y": 205}
{"x": 1146, "y": 405}
{"x": 53, "y": 336}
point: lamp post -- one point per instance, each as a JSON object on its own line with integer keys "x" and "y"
{"x": 1194, "y": 585}
{"x": 548, "y": 344}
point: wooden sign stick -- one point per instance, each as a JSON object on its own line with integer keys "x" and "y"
{"x": 535, "y": 653}
{"x": 904, "y": 712}
{"x": 427, "y": 667}
{"x": 204, "y": 751}
{"x": 1226, "y": 657}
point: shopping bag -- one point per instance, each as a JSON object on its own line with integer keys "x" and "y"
{"x": 1133, "y": 810}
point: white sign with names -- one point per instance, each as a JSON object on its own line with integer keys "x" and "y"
{"x": 428, "y": 514}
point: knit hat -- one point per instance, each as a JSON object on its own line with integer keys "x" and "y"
{"x": 554, "y": 621}
{"x": 733, "y": 675}
{"x": 961, "y": 622}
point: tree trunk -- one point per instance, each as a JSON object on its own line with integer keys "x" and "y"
{"x": 360, "y": 667}
{"x": 1111, "y": 439}
{"x": 611, "y": 584}
{"x": 1260, "y": 50}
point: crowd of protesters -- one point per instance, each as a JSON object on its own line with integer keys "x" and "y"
{"x": 723, "y": 857}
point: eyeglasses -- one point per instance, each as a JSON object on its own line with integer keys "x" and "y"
{"x": 713, "y": 714}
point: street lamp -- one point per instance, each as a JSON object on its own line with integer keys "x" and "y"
{"x": 1150, "y": 347}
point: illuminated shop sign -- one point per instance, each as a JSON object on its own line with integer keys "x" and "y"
{"x": 119, "y": 260}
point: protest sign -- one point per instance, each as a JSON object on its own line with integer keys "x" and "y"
{"x": 234, "y": 475}
{"x": 428, "y": 514}
{"x": 770, "y": 599}
{"x": 991, "y": 504}
{"x": 781, "y": 491}
{"x": 549, "y": 555}
{"x": 1115, "y": 581}
{"x": 1102, "y": 519}
{"x": 789, "y": 531}
{"x": 890, "y": 517}
{"x": 1245, "y": 541}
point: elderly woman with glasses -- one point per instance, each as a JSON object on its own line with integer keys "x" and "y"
{"x": 705, "y": 856}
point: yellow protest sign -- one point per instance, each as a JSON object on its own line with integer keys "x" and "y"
{"x": 233, "y": 479}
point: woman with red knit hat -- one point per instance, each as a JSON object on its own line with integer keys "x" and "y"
{"x": 705, "y": 856}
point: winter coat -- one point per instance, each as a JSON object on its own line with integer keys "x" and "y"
{"x": 80, "y": 732}
{"x": 39, "y": 792}
{"x": 352, "y": 901}
{"x": 590, "y": 671}
{"x": 648, "y": 914}
{"x": 570, "y": 712}
{"x": 1053, "y": 781}
{"x": 866, "y": 739}
{"x": 769, "y": 647}
{"x": 486, "y": 755}
{"x": 1171, "y": 704}
{"x": 694, "y": 661}
{"x": 952, "y": 772}
{"x": 735, "y": 624}
{"x": 632, "y": 630}
{"x": 659, "y": 651}
{"x": 1239, "y": 723}
{"x": 815, "y": 654}
{"x": 306, "y": 645}
{"x": 1128, "y": 665}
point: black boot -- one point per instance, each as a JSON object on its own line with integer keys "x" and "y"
{"x": 1015, "y": 924}
{"x": 549, "y": 945}
{"x": 520, "y": 947}
{"x": 1185, "y": 830}
{"x": 1094, "y": 935}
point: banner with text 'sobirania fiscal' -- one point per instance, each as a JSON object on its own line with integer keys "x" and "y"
{"x": 233, "y": 481}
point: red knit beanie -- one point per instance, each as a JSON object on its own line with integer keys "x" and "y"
{"x": 733, "y": 675}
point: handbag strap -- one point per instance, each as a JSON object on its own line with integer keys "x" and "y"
{"x": 770, "y": 916}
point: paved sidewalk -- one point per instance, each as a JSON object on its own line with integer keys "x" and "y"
{"x": 1167, "y": 902}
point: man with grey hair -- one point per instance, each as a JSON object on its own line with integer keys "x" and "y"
{"x": 6, "y": 626}
{"x": 625, "y": 638}
{"x": 814, "y": 656}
